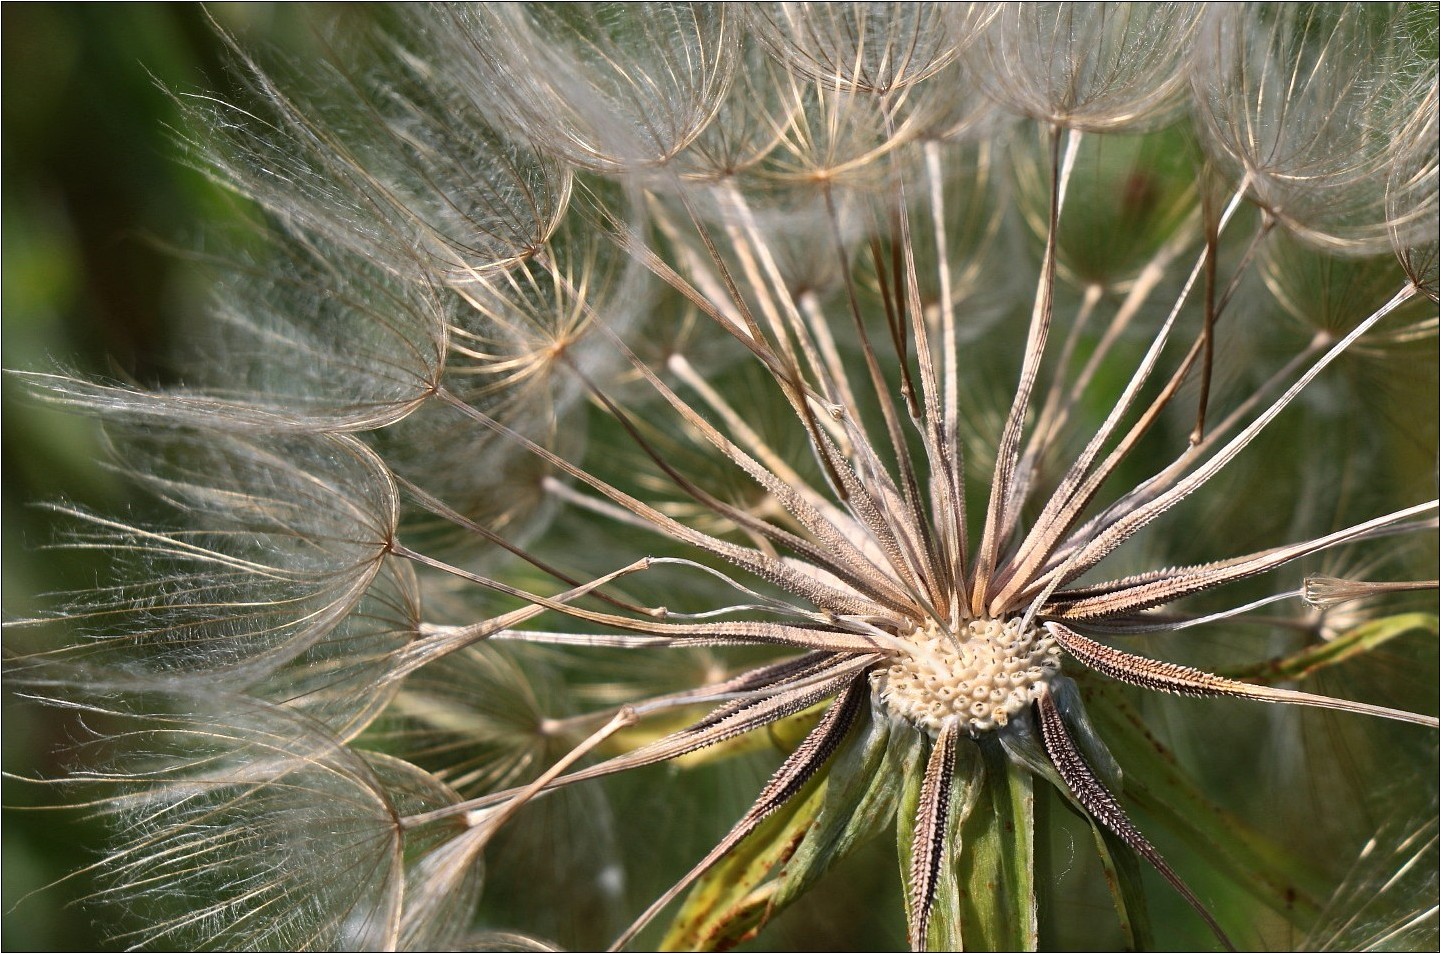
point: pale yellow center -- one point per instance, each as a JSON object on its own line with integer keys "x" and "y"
{"x": 981, "y": 675}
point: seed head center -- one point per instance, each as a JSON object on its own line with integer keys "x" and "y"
{"x": 982, "y": 674}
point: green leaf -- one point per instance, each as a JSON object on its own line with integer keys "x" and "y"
{"x": 847, "y": 803}
{"x": 860, "y": 799}
{"x": 1122, "y": 867}
{"x": 1353, "y": 642}
{"x": 1155, "y": 783}
{"x": 733, "y": 900}
{"x": 1119, "y": 861}
{"x": 997, "y": 867}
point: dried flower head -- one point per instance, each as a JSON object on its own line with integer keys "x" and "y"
{"x": 679, "y": 383}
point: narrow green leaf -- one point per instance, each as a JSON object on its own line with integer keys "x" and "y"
{"x": 906, "y": 761}
{"x": 838, "y": 810}
{"x": 1122, "y": 867}
{"x": 860, "y": 800}
{"x": 732, "y": 901}
{"x": 1156, "y": 784}
{"x": 1353, "y": 642}
{"x": 1119, "y": 861}
{"x": 997, "y": 873}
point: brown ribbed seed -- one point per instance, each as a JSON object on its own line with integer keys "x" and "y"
{"x": 1183, "y": 680}
{"x": 931, "y": 837}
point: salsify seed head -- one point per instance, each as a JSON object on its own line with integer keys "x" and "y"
{"x": 983, "y": 674}
{"x": 645, "y": 452}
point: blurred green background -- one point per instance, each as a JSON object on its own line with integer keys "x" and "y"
{"x": 96, "y": 198}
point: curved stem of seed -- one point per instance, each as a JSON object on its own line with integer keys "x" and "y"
{"x": 437, "y": 642}
{"x": 443, "y": 510}
{"x": 1185, "y": 681}
{"x": 492, "y": 821}
{"x": 1103, "y": 807}
{"x": 1153, "y": 623}
{"x": 931, "y": 839}
{"x": 1208, "y": 328}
